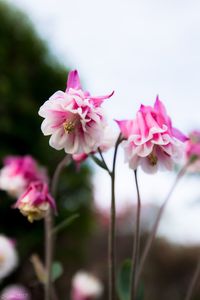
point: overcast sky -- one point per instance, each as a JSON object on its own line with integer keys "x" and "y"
{"x": 139, "y": 49}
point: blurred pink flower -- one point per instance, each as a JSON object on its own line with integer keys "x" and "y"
{"x": 18, "y": 172}
{"x": 151, "y": 140}
{"x": 74, "y": 119}
{"x": 15, "y": 292}
{"x": 193, "y": 151}
{"x": 36, "y": 201}
{"x": 8, "y": 257}
{"x": 86, "y": 286}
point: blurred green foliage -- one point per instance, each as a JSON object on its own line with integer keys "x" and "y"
{"x": 29, "y": 74}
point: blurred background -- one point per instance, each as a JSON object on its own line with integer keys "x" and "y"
{"x": 139, "y": 49}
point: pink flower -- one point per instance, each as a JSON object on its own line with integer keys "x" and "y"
{"x": 36, "y": 201}
{"x": 193, "y": 151}
{"x": 8, "y": 257}
{"x": 18, "y": 172}
{"x": 15, "y": 292}
{"x": 151, "y": 140}
{"x": 74, "y": 119}
{"x": 86, "y": 286}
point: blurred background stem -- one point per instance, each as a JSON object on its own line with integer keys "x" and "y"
{"x": 50, "y": 293}
{"x": 151, "y": 238}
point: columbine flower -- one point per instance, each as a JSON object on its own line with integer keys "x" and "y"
{"x": 15, "y": 292}
{"x": 36, "y": 201}
{"x": 193, "y": 151}
{"x": 8, "y": 257}
{"x": 73, "y": 118}
{"x": 18, "y": 172}
{"x": 151, "y": 139}
{"x": 86, "y": 286}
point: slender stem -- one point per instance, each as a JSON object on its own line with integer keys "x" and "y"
{"x": 136, "y": 243}
{"x": 156, "y": 224}
{"x": 193, "y": 282}
{"x": 103, "y": 160}
{"x": 49, "y": 238}
{"x": 111, "y": 236}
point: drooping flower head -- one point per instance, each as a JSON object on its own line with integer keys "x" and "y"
{"x": 36, "y": 201}
{"x": 193, "y": 151}
{"x": 8, "y": 257}
{"x": 74, "y": 119}
{"x": 18, "y": 172}
{"x": 86, "y": 286}
{"x": 15, "y": 292}
{"x": 151, "y": 140}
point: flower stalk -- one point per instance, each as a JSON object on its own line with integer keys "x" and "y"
{"x": 112, "y": 228}
{"x": 136, "y": 242}
{"x": 193, "y": 282}
{"x": 49, "y": 238}
{"x": 151, "y": 238}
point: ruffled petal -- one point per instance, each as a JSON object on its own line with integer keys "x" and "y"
{"x": 73, "y": 81}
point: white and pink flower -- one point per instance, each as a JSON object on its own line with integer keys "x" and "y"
{"x": 18, "y": 172}
{"x": 8, "y": 256}
{"x": 151, "y": 140}
{"x": 193, "y": 151}
{"x": 86, "y": 286}
{"x": 36, "y": 201}
{"x": 15, "y": 292}
{"x": 74, "y": 119}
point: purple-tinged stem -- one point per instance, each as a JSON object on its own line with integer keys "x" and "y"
{"x": 193, "y": 282}
{"x": 136, "y": 243}
{"x": 112, "y": 229}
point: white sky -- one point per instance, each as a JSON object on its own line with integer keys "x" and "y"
{"x": 139, "y": 49}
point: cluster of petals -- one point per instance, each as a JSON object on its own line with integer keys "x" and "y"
{"x": 151, "y": 140}
{"x": 193, "y": 151}
{"x": 35, "y": 202}
{"x": 18, "y": 172}
{"x": 86, "y": 286}
{"x": 74, "y": 119}
{"x": 15, "y": 292}
{"x": 8, "y": 257}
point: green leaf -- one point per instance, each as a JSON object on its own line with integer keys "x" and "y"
{"x": 123, "y": 281}
{"x": 140, "y": 294}
{"x": 64, "y": 224}
{"x": 99, "y": 162}
{"x": 56, "y": 271}
{"x": 124, "y": 284}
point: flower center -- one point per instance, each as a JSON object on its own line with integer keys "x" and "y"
{"x": 152, "y": 159}
{"x": 69, "y": 126}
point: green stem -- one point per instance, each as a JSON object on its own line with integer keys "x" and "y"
{"x": 49, "y": 238}
{"x": 136, "y": 244}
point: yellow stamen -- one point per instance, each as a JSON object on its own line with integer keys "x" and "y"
{"x": 69, "y": 126}
{"x": 152, "y": 159}
{"x": 1, "y": 259}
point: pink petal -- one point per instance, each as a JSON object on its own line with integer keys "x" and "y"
{"x": 73, "y": 81}
{"x": 126, "y": 127}
{"x": 179, "y": 135}
{"x": 97, "y": 101}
